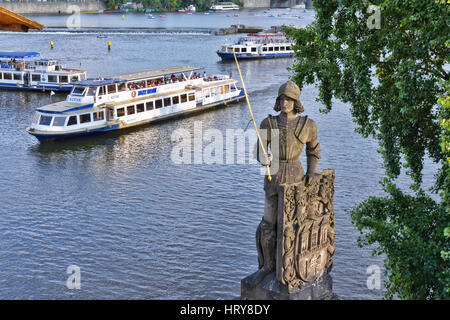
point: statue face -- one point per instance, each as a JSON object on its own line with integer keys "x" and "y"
{"x": 286, "y": 104}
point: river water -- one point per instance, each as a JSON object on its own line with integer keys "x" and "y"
{"x": 138, "y": 225}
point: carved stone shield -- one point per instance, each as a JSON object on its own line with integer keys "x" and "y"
{"x": 305, "y": 231}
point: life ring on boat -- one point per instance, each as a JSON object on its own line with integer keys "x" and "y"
{"x": 133, "y": 94}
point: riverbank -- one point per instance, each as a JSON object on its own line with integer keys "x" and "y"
{"x": 63, "y": 7}
{"x": 54, "y": 8}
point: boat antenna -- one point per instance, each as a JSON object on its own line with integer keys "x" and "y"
{"x": 253, "y": 118}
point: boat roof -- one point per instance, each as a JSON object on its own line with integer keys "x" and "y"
{"x": 265, "y": 35}
{"x": 155, "y": 73}
{"x": 18, "y": 54}
{"x": 96, "y": 82}
{"x": 64, "y": 107}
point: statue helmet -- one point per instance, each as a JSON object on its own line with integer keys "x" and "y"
{"x": 291, "y": 90}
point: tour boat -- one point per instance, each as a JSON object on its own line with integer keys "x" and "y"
{"x": 266, "y": 45}
{"x": 28, "y": 71}
{"x": 224, "y": 6}
{"x": 118, "y": 102}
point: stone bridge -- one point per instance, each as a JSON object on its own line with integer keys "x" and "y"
{"x": 276, "y": 3}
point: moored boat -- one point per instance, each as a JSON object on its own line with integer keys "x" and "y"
{"x": 114, "y": 103}
{"x": 265, "y": 45}
{"x": 224, "y": 6}
{"x": 28, "y": 71}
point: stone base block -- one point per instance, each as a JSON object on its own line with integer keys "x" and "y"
{"x": 271, "y": 289}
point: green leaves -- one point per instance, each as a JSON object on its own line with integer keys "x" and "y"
{"x": 394, "y": 71}
{"x": 408, "y": 230}
{"x": 392, "y": 77}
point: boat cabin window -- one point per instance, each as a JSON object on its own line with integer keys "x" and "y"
{"x": 264, "y": 48}
{"x": 137, "y": 85}
{"x": 230, "y": 49}
{"x": 166, "y": 102}
{"x": 74, "y": 78}
{"x": 149, "y": 106}
{"x": 277, "y": 49}
{"x": 130, "y": 110}
{"x": 140, "y": 107}
{"x": 85, "y": 118}
{"x": 254, "y": 49}
{"x": 191, "y": 96}
{"x": 92, "y": 91}
{"x": 112, "y": 88}
{"x": 288, "y": 48}
{"x": 63, "y": 79}
{"x": 176, "y": 100}
{"x": 270, "y": 48}
{"x": 99, "y": 116}
{"x": 78, "y": 91}
{"x": 158, "y": 103}
{"x": 101, "y": 91}
{"x": 183, "y": 98}
{"x": 72, "y": 121}
{"x": 59, "y": 121}
{"x": 36, "y": 77}
{"x": 236, "y": 50}
{"x": 281, "y": 48}
{"x": 122, "y": 87}
{"x": 120, "y": 112}
{"x": 227, "y": 88}
{"x": 17, "y": 76}
{"x": 45, "y": 120}
{"x": 7, "y": 76}
{"x": 52, "y": 78}
{"x": 243, "y": 49}
{"x": 1, "y": 75}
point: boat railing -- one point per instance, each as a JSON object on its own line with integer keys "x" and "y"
{"x": 217, "y": 77}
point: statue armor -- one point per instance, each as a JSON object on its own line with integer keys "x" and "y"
{"x": 293, "y": 134}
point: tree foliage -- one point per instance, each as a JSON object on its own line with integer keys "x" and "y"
{"x": 392, "y": 75}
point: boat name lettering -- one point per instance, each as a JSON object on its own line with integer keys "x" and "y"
{"x": 147, "y": 91}
{"x": 74, "y": 99}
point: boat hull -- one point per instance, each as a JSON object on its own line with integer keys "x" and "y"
{"x": 36, "y": 88}
{"x": 230, "y": 56}
{"x": 52, "y": 136}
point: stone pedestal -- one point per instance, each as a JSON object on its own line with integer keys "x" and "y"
{"x": 271, "y": 289}
{"x": 305, "y": 244}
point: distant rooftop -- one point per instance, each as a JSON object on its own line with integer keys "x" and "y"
{"x": 11, "y": 21}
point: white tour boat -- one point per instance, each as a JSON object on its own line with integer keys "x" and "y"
{"x": 128, "y": 100}
{"x": 28, "y": 71}
{"x": 266, "y": 45}
{"x": 224, "y": 6}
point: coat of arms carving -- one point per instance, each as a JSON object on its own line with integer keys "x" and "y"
{"x": 305, "y": 243}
